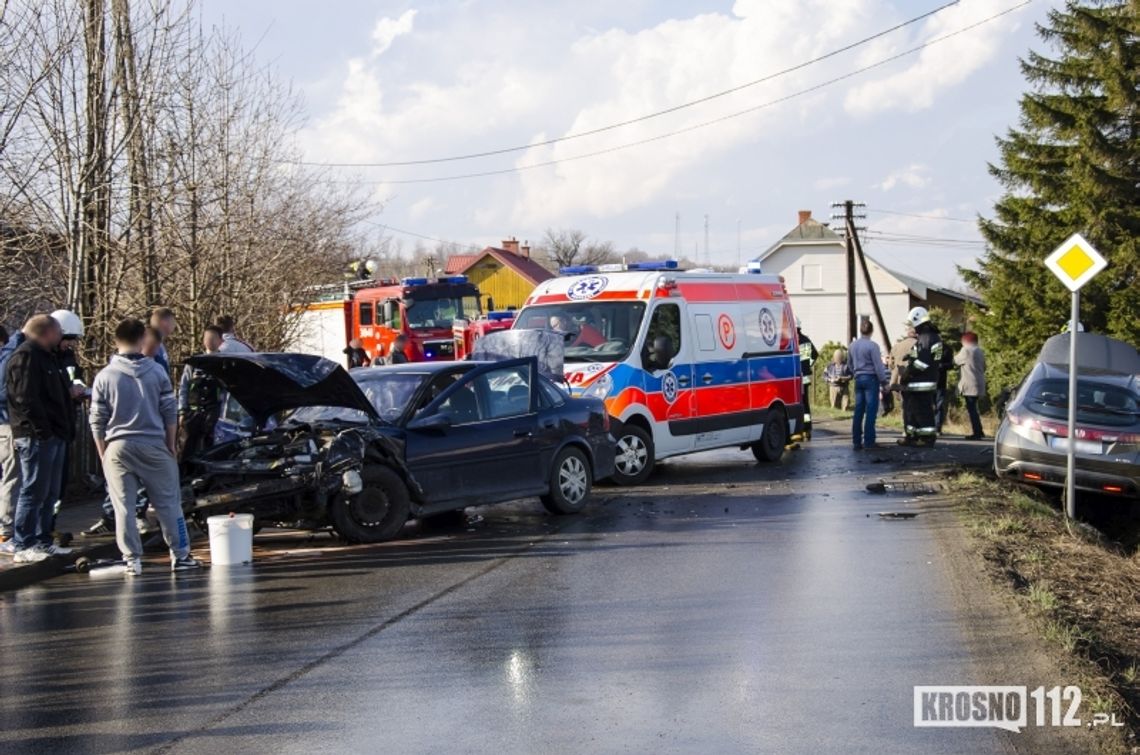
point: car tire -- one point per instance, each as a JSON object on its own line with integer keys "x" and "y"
{"x": 570, "y": 481}
{"x": 633, "y": 462}
{"x": 375, "y": 514}
{"x": 770, "y": 447}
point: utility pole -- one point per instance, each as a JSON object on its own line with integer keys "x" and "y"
{"x": 738, "y": 258}
{"x": 708, "y": 257}
{"x": 855, "y": 251}
{"x": 848, "y": 216}
{"x": 677, "y": 236}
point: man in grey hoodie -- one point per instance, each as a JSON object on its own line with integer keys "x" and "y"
{"x": 134, "y": 419}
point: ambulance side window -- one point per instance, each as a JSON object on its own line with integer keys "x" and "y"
{"x": 666, "y": 323}
{"x": 365, "y": 313}
{"x": 706, "y": 339}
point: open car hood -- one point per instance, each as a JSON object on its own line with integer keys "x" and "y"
{"x": 265, "y": 384}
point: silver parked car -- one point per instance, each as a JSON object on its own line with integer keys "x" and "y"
{"x": 1032, "y": 441}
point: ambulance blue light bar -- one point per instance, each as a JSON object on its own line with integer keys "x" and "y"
{"x": 415, "y": 281}
{"x": 500, "y": 316}
{"x": 653, "y": 265}
{"x": 454, "y": 279}
{"x": 577, "y": 269}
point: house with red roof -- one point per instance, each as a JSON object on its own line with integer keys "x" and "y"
{"x": 504, "y": 274}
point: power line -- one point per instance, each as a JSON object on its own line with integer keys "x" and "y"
{"x": 639, "y": 119}
{"x": 401, "y": 231}
{"x": 704, "y": 124}
{"x": 925, "y": 217}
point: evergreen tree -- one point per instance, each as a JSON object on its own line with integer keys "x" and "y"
{"x": 1072, "y": 164}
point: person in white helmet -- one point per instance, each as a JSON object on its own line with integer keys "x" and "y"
{"x": 919, "y": 378}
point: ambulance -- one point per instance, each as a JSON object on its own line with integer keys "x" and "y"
{"x": 685, "y": 361}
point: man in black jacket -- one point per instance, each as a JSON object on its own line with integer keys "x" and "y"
{"x": 920, "y": 381}
{"x": 41, "y": 409}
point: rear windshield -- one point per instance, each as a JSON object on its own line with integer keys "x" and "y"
{"x": 1097, "y": 403}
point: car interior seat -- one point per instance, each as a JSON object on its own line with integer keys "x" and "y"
{"x": 463, "y": 407}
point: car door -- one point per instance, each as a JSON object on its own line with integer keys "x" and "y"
{"x": 476, "y": 443}
{"x": 669, "y": 388}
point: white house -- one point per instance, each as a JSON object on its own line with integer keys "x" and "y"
{"x": 813, "y": 261}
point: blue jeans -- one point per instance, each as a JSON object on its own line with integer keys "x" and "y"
{"x": 866, "y": 410}
{"x": 41, "y": 471}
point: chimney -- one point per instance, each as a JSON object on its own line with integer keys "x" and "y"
{"x": 805, "y": 216}
{"x": 511, "y": 245}
{"x": 525, "y": 249}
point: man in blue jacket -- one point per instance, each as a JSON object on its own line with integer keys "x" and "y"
{"x": 9, "y": 459}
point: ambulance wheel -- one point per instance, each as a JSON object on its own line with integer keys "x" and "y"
{"x": 376, "y": 513}
{"x": 569, "y": 483}
{"x": 634, "y": 459}
{"x": 770, "y": 447}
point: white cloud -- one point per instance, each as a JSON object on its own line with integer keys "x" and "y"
{"x": 421, "y": 208}
{"x": 833, "y": 182}
{"x": 912, "y": 176}
{"x": 937, "y": 67}
{"x": 386, "y": 30}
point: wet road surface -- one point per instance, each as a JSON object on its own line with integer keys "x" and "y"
{"x": 724, "y": 607}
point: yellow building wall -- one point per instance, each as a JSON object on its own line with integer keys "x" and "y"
{"x": 506, "y": 287}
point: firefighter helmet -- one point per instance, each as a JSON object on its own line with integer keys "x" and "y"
{"x": 69, "y": 323}
{"x": 917, "y": 316}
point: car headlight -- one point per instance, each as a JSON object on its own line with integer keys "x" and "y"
{"x": 600, "y": 388}
{"x": 352, "y": 482}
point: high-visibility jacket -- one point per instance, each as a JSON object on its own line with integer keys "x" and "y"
{"x": 808, "y": 355}
{"x": 924, "y": 362}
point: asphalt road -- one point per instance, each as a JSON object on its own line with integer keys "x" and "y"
{"x": 724, "y": 607}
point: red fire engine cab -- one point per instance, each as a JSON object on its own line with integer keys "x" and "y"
{"x": 377, "y": 311}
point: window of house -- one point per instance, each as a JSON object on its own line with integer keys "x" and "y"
{"x": 811, "y": 277}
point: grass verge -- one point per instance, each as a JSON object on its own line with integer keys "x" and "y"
{"x": 1081, "y": 591}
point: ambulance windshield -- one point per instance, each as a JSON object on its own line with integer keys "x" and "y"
{"x": 594, "y": 331}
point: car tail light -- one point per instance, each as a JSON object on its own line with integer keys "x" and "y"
{"x": 606, "y": 421}
{"x": 1112, "y": 488}
{"x": 1031, "y": 476}
{"x": 1061, "y": 430}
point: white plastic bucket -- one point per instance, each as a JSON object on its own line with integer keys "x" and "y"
{"x": 231, "y": 539}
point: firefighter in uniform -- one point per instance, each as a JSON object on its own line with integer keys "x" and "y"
{"x": 919, "y": 377}
{"x": 808, "y": 355}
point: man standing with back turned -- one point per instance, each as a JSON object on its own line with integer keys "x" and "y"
{"x": 134, "y": 419}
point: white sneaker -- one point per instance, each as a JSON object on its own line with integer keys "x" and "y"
{"x": 30, "y": 556}
{"x": 143, "y": 525}
{"x": 134, "y": 567}
{"x": 55, "y": 550}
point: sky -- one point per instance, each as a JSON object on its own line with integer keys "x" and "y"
{"x": 387, "y": 82}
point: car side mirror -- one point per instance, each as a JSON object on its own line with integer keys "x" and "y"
{"x": 437, "y": 422}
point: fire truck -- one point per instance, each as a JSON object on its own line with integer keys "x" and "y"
{"x": 376, "y": 311}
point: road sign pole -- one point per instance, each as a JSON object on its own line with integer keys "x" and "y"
{"x": 1071, "y": 456}
{"x": 1075, "y": 262}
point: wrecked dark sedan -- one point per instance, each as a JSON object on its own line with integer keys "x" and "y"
{"x": 366, "y": 451}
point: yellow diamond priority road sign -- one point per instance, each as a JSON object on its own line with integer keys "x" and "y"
{"x": 1075, "y": 262}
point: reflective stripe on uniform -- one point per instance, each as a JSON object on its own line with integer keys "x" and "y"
{"x": 920, "y": 364}
{"x": 920, "y": 387}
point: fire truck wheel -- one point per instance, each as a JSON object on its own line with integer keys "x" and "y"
{"x": 376, "y": 513}
{"x": 570, "y": 480}
{"x": 770, "y": 447}
{"x": 634, "y": 461}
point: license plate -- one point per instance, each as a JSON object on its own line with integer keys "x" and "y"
{"x": 1087, "y": 447}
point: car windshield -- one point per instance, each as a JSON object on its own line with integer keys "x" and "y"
{"x": 439, "y": 313}
{"x": 1097, "y": 403}
{"x": 601, "y": 331}
{"x": 389, "y": 392}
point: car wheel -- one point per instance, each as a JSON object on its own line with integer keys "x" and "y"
{"x": 376, "y": 513}
{"x": 633, "y": 461}
{"x": 570, "y": 480}
{"x": 770, "y": 447}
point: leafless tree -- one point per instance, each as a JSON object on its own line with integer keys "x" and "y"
{"x": 570, "y": 246}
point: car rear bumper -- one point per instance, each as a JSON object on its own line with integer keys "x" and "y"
{"x": 604, "y": 450}
{"x": 1013, "y": 460}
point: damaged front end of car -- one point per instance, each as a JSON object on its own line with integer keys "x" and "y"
{"x": 295, "y": 475}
